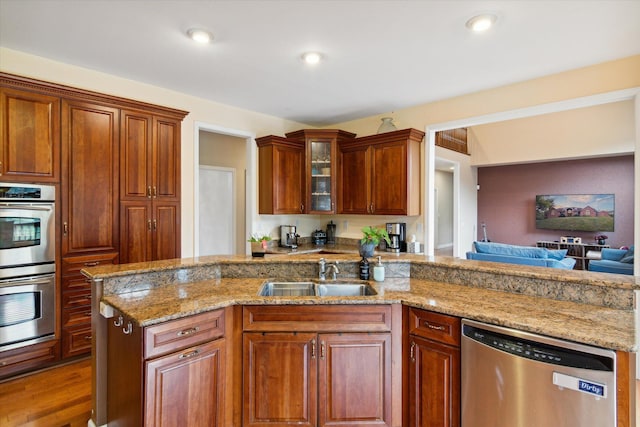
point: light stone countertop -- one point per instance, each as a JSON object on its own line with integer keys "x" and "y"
{"x": 522, "y": 298}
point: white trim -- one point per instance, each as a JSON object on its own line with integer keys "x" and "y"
{"x": 552, "y": 107}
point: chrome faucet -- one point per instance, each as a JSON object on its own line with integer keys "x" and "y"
{"x": 325, "y": 268}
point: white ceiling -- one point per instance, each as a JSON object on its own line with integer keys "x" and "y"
{"x": 381, "y": 56}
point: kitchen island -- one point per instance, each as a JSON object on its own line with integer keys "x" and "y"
{"x": 596, "y": 309}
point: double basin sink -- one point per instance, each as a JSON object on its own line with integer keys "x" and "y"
{"x": 316, "y": 288}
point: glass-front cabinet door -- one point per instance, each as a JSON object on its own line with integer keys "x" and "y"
{"x": 321, "y": 147}
{"x": 322, "y": 171}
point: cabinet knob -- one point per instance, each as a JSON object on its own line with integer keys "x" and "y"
{"x": 65, "y": 228}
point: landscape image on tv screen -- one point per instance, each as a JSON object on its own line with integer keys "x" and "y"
{"x": 575, "y": 212}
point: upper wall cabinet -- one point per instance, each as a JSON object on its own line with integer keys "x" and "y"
{"x": 281, "y": 176}
{"x": 321, "y": 146}
{"x": 30, "y": 145}
{"x": 380, "y": 174}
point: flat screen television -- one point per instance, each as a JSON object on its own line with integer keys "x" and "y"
{"x": 575, "y": 212}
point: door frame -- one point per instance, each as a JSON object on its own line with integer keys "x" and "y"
{"x": 250, "y": 175}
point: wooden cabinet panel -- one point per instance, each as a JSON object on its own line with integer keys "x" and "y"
{"x": 434, "y": 384}
{"x": 185, "y": 389}
{"x": 30, "y": 357}
{"x": 355, "y": 379}
{"x": 280, "y": 375}
{"x": 434, "y": 369}
{"x": 135, "y": 232}
{"x": 354, "y": 180}
{"x": 166, "y": 159}
{"x": 380, "y": 174}
{"x": 30, "y": 126}
{"x": 166, "y": 230}
{"x": 135, "y": 155}
{"x": 76, "y": 340}
{"x": 89, "y": 178}
{"x": 281, "y": 176}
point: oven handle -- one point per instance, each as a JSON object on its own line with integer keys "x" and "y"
{"x": 25, "y": 207}
{"x": 38, "y": 280}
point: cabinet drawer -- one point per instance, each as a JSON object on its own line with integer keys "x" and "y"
{"x": 321, "y": 318}
{"x": 76, "y": 341}
{"x": 71, "y": 266}
{"x": 73, "y": 283}
{"x": 30, "y": 357}
{"x": 434, "y": 326}
{"x": 78, "y": 298}
{"x": 76, "y": 316}
{"x": 182, "y": 333}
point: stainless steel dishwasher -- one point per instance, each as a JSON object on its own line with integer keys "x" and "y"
{"x": 512, "y": 378}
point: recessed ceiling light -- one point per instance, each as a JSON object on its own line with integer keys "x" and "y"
{"x": 200, "y": 36}
{"x": 481, "y": 23}
{"x": 312, "y": 58}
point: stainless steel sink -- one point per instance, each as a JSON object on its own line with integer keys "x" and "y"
{"x": 321, "y": 289}
{"x": 344, "y": 290}
{"x": 280, "y": 289}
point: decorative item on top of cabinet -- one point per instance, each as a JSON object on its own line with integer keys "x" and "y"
{"x": 434, "y": 369}
{"x": 30, "y": 141}
{"x": 281, "y": 176}
{"x": 320, "y": 165}
{"x": 380, "y": 174}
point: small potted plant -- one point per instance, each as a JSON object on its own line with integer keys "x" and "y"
{"x": 259, "y": 244}
{"x": 371, "y": 237}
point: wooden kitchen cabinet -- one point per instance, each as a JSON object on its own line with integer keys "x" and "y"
{"x": 281, "y": 176}
{"x": 76, "y": 302}
{"x": 434, "y": 369}
{"x": 320, "y": 146}
{"x": 150, "y": 183}
{"x": 380, "y": 174}
{"x": 90, "y": 178}
{"x": 30, "y": 141}
{"x": 170, "y": 374}
{"x": 331, "y": 367}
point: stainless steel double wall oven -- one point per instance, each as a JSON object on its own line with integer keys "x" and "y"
{"x": 27, "y": 264}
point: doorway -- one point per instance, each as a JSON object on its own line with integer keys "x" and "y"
{"x": 223, "y": 192}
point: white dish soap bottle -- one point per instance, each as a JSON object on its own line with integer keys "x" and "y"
{"x": 378, "y": 271}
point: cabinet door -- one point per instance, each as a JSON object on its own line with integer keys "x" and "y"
{"x": 354, "y": 181}
{"x": 136, "y": 238}
{"x": 166, "y": 230}
{"x": 186, "y": 389}
{"x": 389, "y": 179}
{"x": 355, "y": 379}
{"x": 321, "y": 159}
{"x": 135, "y": 155}
{"x": 89, "y": 178}
{"x": 434, "y": 394}
{"x": 288, "y": 165}
{"x": 165, "y": 180}
{"x": 30, "y": 125}
{"x": 280, "y": 379}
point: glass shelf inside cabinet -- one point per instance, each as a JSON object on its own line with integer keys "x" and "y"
{"x": 321, "y": 169}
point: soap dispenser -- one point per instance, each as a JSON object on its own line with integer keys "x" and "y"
{"x": 378, "y": 271}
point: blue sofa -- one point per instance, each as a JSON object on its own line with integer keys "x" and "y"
{"x": 525, "y": 255}
{"x": 618, "y": 261}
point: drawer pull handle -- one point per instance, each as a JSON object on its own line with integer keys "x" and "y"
{"x": 322, "y": 350}
{"x": 435, "y": 327}
{"x": 91, "y": 264}
{"x": 188, "y": 355}
{"x": 87, "y": 337}
{"x": 189, "y": 331}
{"x": 313, "y": 349}
{"x": 118, "y": 322}
{"x": 128, "y": 329}
{"x": 412, "y": 353}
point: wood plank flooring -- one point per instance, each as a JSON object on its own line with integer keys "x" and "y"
{"x": 57, "y": 397}
{"x": 61, "y": 397}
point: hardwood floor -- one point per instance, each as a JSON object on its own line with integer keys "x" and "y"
{"x": 58, "y": 397}
{"x": 61, "y": 397}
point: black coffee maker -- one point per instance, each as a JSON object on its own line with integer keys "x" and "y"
{"x": 397, "y": 232}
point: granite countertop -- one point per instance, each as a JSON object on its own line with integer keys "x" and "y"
{"x": 149, "y": 303}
